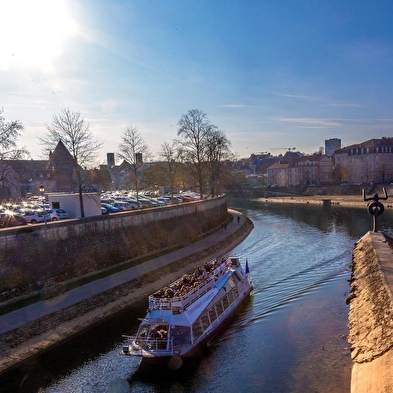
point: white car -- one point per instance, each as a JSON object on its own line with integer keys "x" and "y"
{"x": 35, "y": 216}
{"x": 58, "y": 214}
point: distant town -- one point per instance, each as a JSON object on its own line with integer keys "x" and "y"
{"x": 367, "y": 162}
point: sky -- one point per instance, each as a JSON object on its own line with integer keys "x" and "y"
{"x": 273, "y": 75}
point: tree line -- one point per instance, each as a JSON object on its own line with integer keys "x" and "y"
{"x": 200, "y": 148}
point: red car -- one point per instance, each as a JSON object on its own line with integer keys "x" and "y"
{"x": 11, "y": 220}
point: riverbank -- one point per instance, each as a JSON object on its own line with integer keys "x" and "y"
{"x": 17, "y": 345}
{"x": 370, "y": 315}
{"x": 353, "y": 201}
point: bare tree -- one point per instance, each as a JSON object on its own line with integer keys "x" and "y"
{"x": 134, "y": 151}
{"x": 218, "y": 151}
{"x": 194, "y": 128}
{"x": 339, "y": 173}
{"x": 70, "y": 128}
{"x": 320, "y": 151}
{"x": 9, "y": 151}
{"x": 170, "y": 165}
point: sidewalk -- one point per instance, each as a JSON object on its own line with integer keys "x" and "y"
{"x": 37, "y": 310}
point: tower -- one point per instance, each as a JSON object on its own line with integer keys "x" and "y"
{"x": 331, "y": 145}
{"x": 110, "y": 158}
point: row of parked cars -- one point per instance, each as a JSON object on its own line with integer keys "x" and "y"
{"x": 38, "y": 212}
{"x": 15, "y": 215}
{"x": 123, "y": 201}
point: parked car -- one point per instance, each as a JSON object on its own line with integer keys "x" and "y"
{"x": 123, "y": 206}
{"x": 35, "y": 216}
{"x": 144, "y": 202}
{"x": 58, "y": 214}
{"x": 170, "y": 200}
{"x": 109, "y": 208}
{"x": 108, "y": 200}
{"x": 9, "y": 219}
{"x": 157, "y": 202}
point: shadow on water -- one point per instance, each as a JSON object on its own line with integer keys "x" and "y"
{"x": 40, "y": 371}
{"x": 164, "y": 377}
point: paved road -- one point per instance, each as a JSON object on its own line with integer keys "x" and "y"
{"x": 37, "y": 310}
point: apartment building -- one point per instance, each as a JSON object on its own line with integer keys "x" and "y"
{"x": 300, "y": 171}
{"x": 367, "y": 162}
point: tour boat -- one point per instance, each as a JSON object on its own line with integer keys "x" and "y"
{"x": 185, "y": 315}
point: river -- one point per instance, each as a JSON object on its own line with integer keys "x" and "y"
{"x": 289, "y": 337}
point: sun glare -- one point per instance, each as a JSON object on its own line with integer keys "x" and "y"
{"x": 33, "y": 32}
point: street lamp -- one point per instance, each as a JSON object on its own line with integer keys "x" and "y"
{"x": 42, "y": 190}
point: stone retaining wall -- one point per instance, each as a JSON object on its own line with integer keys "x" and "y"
{"x": 371, "y": 317}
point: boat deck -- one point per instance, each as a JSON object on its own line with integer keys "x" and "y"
{"x": 184, "y": 291}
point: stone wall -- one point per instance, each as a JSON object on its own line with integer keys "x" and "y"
{"x": 371, "y": 315}
{"x": 61, "y": 251}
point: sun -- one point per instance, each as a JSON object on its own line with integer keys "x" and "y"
{"x": 33, "y": 32}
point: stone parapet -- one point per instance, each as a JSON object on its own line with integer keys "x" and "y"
{"x": 370, "y": 315}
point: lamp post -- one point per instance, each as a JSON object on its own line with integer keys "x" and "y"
{"x": 42, "y": 190}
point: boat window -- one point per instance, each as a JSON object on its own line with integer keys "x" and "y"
{"x": 235, "y": 293}
{"x": 181, "y": 335}
{"x": 212, "y": 314}
{"x": 205, "y": 321}
{"x": 197, "y": 329}
{"x": 219, "y": 309}
{"x": 231, "y": 283}
{"x": 225, "y": 302}
{"x": 143, "y": 330}
{"x": 231, "y": 297}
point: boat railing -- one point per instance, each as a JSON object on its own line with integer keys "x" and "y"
{"x": 157, "y": 344}
{"x": 181, "y": 302}
{"x": 196, "y": 293}
{"x": 149, "y": 344}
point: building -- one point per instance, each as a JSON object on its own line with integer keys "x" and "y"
{"x": 301, "y": 170}
{"x": 57, "y": 174}
{"x": 70, "y": 203}
{"x": 331, "y": 145}
{"x": 278, "y": 174}
{"x": 110, "y": 157}
{"x": 367, "y": 162}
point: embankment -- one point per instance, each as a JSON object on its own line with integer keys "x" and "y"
{"x": 71, "y": 249}
{"x": 371, "y": 315}
{"x": 353, "y": 201}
